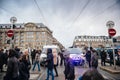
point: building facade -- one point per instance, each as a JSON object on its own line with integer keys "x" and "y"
{"x": 29, "y": 35}
{"x": 117, "y": 43}
{"x": 56, "y": 42}
{"x": 94, "y": 41}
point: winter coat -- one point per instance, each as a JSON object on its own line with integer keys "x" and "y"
{"x": 55, "y": 56}
{"x": 1, "y": 59}
{"x": 103, "y": 55}
{"x": 69, "y": 69}
{"x": 37, "y": 57}
{"x": 88, "y": 56}
{"x": 24, "y": 70}
{"x": 17, "y": 54}
{"x": 12, "y": 69}
{"x": 110, "y": 55}
{"x": 49, "y": 59}
{"x": 33, "y": 54}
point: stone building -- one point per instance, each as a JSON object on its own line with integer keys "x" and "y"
{"x": 94, "y": 41}
{"x": 29, "y": 35}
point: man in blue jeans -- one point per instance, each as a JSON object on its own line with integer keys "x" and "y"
{"x": 50, "y": 64}
{"x": 37, "y": 61}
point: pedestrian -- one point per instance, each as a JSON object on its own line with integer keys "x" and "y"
{"x": 17, "y": 52}
{"x": 1, "y": 59}
{"x": 91, "y": 74}
{"x": 50, "y": 64}
{"x": 61, "y": 58}
{"x": 33, "y": 55}
{"x": 118, "y": 55}
{"x": 12, "y": 68}
{"x": 103, "y": 57}
{"x": 23, "y": 68}
{"x": 88, "y": 57}
{"x": 6, "y": 57}
{"x": 111, "y": 57}
{"x": 28, "y": 64}
{"x": 55, "y": 59}
{"x": 69, "y": 71}
{"x": 94, "y": 59}
{"x": 37, "y": 61}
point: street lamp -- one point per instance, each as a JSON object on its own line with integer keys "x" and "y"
{"x": 111, "y": 32}
{"x": 13, "y": 20}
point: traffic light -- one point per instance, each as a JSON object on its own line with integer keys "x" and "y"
{"x": 114, "y": 40}
{"x": 110, "y": 37}
{"x": 14, "y": 26}
{"x": 8, "y": 41}
{"x": 12, "y": 37}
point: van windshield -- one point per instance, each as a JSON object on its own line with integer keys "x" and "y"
{"x": 44, "y": 51}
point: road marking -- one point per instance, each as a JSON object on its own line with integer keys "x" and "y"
{"x": 43, "y": 72}
{"x": 105, "y": 77}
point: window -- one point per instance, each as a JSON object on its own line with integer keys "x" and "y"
{"x": 29, "y": 34}
{"x": 37, "y": 35}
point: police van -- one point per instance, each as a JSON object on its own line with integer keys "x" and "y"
{"x": 43, "y": 55}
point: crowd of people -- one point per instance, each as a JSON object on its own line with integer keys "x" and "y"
{"x": 91, "y": 56}
{"x": 19, "y": 63}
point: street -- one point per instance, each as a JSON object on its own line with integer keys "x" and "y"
{"x": 79, "y": 71}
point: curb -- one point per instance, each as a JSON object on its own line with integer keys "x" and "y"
{"x": 111, "y": 70}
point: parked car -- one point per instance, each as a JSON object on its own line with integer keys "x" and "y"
{"x": 77, "y": 56}
{"x": 43, "y": 55}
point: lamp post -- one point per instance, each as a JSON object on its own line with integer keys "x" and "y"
{"x": 13, "y": 20}
{"x": 111, "y": 32}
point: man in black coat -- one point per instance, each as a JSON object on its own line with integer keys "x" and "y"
{"x": 61, "y": 58}
{"x": 1, "y": 59}
{"x": 111, "y": 57}
{"x": 33, "y": 53}
{"x": 103, "y": 57}
{"x": 50, "y": 64}
{"x": 17, "y": 54}
{"x": 88, "y": 57}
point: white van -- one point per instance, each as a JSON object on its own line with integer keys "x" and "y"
{"x": 43, "y": 55}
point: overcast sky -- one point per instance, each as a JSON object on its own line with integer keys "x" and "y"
{"x": 66, "y": 18}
